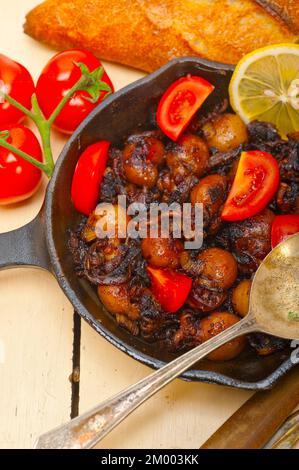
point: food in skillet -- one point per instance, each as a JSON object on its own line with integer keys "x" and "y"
{"x": 246, "y": 177}
{"x": 146, "y": 34}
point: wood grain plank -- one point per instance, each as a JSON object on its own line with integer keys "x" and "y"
{"x": 75, "y": 376}
{"x": 36, "y": 319}
{"x": 183, "y": 415}
{"x": 36, "y": 340}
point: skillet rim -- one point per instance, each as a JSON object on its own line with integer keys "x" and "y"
{"x": 190, "y": 375}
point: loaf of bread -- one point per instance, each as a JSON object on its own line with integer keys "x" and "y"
{"x": 147, "y": 33}
{"x": 286, "y": 11}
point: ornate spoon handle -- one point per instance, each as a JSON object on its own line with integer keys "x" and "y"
{"x": 86, "y": 430}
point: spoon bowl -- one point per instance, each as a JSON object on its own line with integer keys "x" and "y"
{"x": 274, "y": 298}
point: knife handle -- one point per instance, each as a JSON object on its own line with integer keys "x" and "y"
{"x": 252, "y": 425}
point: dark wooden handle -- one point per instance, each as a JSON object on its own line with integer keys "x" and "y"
{"x": 258, "y": 419}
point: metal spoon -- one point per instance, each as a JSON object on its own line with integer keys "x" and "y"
{"x": 274, "y": 309}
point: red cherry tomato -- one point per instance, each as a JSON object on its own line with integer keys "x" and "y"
{"x": 170, "y": 288}
{"x": 19, "y": 179}
{"x": 255, "y": 184}
{"x": 88, "y": 176}
{"x": 56, "y": 79}
{"x": 16, "y": 82}
{"x": 284, "y": 226}
{"x": 180, "y": 102}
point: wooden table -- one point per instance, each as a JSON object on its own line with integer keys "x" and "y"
{"x": 37, "y": 333}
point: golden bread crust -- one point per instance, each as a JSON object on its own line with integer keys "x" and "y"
{"x": 287, "y": 11}
{"x": 147, "y": 33}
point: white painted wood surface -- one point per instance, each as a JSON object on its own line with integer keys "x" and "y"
{"x": 36, "y": 343}
{"x": 36, "y": 319}
{"x": 36, "y": 335}
{"x": 183, "y": 415}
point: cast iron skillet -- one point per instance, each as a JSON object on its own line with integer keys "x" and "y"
{"x": 43, "y": 242}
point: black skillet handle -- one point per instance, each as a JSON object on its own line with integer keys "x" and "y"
{"x": 25, "y": 246}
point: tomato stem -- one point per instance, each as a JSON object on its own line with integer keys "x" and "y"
{"x": 23, "y": 155}
{"x": 44, "y": 128}
{"x": 64, "y": 100}
{"x": 89, "y": 81}
{"x": 17, "y": 105}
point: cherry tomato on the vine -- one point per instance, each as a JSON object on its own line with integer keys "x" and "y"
{"x": 57, "y": 78}
{"x": 16, "y": 82}
{"x": 19, "y": 179}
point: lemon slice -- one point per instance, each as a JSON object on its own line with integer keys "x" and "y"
{"x": 265, "y": 87}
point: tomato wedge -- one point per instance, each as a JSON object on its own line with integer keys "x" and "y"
{"x": 88, "y": 176}
{"x": 255, "y": 183}
{"x": 284, "y": 226}
{"x": 170, "y": 288}
{"x": 180, "y": 102}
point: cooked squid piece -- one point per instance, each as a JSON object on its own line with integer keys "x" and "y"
{"x": 240, "y": 297}
{"x": 204, "y": 299}
{"x": 117, "y": 301}
{"x": 111, "y": 218}
{"x": 214, "y": 324}
{"x": 264, "y": 344}
{"x": 191, "y": 265}
{"x": 287, "y": 198}
{"x": 141, "y": 157}
{"x": 193, "y": 331}
{"x": 174, "y": 188}
{"x": 188, "y": 157}
{"x": 162, "y": 252}
{"x": 186, "y": 160}
{"x": 220, "y": 268}
{"x": 211, "y": 191}
{"x": 226, "y": 132}
{"x": 250, "y": 240}
{"x": 188, "y": 335}
{"x": 217, "y": 274}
